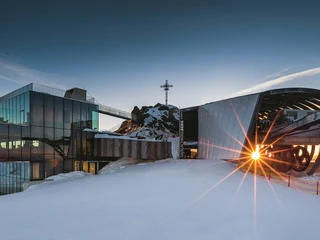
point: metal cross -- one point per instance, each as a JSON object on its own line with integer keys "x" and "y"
{"x": 166, "y": 87}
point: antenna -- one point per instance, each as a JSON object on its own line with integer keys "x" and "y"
{"x": 166, "y": 87}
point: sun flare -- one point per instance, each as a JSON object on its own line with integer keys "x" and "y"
{"x": 255, "y": 155}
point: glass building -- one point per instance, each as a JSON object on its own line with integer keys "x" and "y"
{"x": 41, "y": 134}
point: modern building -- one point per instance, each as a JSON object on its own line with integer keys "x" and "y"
{"x": 46, "y": 131}
{"x": 226, "y": 129}
{"x": 41, "y": 133}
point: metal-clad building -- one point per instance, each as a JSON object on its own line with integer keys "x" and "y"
{"x": 219, "y": 125}
{"x": 283, "y": 122}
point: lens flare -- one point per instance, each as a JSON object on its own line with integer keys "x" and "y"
{"x": 255, "y": 155}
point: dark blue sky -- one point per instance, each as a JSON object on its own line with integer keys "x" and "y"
{"x": 122, "y": 51}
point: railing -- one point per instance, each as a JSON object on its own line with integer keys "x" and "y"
{"x": 305, "y": 185}
{"x": 42, "y": 89}
{"x": 114, "y": 112}
{"x": 60, "y": 93}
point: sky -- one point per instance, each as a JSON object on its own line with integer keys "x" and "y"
{"x": 122, "y": 51}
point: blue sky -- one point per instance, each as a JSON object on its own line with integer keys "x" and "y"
{"x": 122, "y": 51}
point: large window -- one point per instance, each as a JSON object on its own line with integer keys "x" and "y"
{"x": 94, "y": 117}
{"x": 4, "y": 142}
{"x": 76, "y": 113}
{"x": 37, "y": 147}
{"x": 67, "y": 113}
{"x": 14, "y": 143}
{"x": 26, "y": 143}
{"x": 48, "y": 111}
{"x": 58, "y": 112}
{"x": 26, "y": 109}
{"x": 36, "y": 109}
{"x": 49, "y": 143}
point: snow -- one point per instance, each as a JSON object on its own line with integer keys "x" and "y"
{"x": 124, "y": 137}
{"x": 172, "y": 200}
{"x": 156, "y": 113}
{"x": 311, "y": 179}
{"x": 116, "y": 165}
{"x": 110, "y": 136}
{"x": 68, "y": 176}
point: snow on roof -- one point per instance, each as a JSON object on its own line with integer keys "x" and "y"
{"x": 124, "y": 137}
{"x": 101, "y": 132}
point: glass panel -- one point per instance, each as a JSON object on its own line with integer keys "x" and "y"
{"x": 37, "y": 148}
{"x": 95, "y": 118}
{"x": 67, "y": 113}
{"x": 59, "y": 143}
{"x": 58, "y": 112}
{"x": 48, "y": 111}
{"x": 18, "y": 110}
{"x": 36, "y": 109}
{"x": 7, "y": 113}
{"x": 4, "y": 107}
{"x": 58, "y": 165}
{"x": 67, "y": 165}
{"x": 85, "y": 167}
{"x": 48, "y": 165}
{"x": 26, "y": 143}
{"x": 14, "y": 143}
{"x": 76, "y": 113}
{"x": 83, "y": 146}
{"x": 92, "y": 168}
{"x": 10, "y": 111}
{"x": 89, "y": 145}
{"x": 49, "y": 143}
{"x": 14, "y": 110}
{"x": 27, "y": 108}
{"x": 4, "y": 142}
{"x": 1, "y": 113}
{"x": 37, "y": 169}
{"x": 84, "y": 116}
{"x": 67, "y": 141}
{"x": 77, "y": 166}
{"x": 36, "y": 172}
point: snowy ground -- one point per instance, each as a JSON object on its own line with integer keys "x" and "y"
{"x": 158, "y": 201}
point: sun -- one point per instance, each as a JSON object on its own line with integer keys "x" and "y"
{"x": 255, "y": 155}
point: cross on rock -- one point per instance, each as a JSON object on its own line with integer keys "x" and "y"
{"x": 166, "y": 87}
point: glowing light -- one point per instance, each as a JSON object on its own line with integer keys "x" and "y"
{"x": 256, "y": 154}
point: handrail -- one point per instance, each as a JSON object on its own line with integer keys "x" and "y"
{"x": 114, "y": 111}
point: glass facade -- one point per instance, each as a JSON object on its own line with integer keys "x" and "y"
{"x": 46, "y": 131}
{"x": 16, "y": 110}
{"x": 223, "y": 127}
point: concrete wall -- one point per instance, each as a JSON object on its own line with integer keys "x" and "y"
{"x": 135, "y": 149}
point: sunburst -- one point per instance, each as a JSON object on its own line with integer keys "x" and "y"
{"x": 253, "y": 158}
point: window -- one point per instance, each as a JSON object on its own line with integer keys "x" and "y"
{"x": 58, "y": 112}
{"x": 67, "y": 113}
{"x": 35, "y": 170}
{"x": 48, "y": 111}
{"x": 36, "y": 109}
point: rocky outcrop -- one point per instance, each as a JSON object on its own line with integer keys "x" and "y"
{"x": 158, "y": 122}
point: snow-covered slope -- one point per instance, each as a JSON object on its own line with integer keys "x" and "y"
{"x": 158, "y": 122}
{"x": 167, "y": 200}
